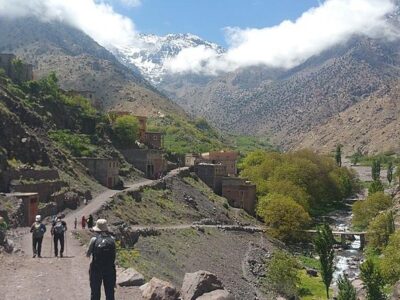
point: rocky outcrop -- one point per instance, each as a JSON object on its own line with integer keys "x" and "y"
{"x": 217, "y": 295}
{"x": 199, "y": 283}
{"x": 157, "y": 289}
{"x": 130, "y": 277}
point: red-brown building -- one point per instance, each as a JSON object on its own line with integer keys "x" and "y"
{"x": 211, "y": 174}
{"x": 154, "y": 140}
{"x": 105, "y": 170}
{"x": 240, "y": 193}
{"x": 30, "y": 202}
{"x": 226, "y": 158}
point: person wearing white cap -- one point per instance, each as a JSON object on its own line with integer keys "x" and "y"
{"x": 102, "y": 268}
{"x": 38, "y": 229}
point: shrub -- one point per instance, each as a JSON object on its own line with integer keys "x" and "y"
{"x": 126, "y": 130}
{"x": 282, "y": 274}
{"x": 78, "y": 145}
{"x": 364, "y": 211}
{"x": 379, "y": 231}
{"x": 390, "y": 262}
{"x": 375, "y": 186}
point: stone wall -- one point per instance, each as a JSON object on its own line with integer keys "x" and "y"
{"x": 28, "y": 174}
{"x": 44, "y": 189}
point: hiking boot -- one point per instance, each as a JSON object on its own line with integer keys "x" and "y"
{"x": 34, "y": 255}
{"x": 39, "y": 256}
{"x": 61, "y": 255}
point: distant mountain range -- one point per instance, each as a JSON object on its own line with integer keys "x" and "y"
{"x": 339, "y": 96}
{"x": 155, "y": 50}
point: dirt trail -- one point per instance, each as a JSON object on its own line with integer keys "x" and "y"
{"x": 24, "y": 277}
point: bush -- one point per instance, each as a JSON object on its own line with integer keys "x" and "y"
{"x": 78, "y": 145}
{"x": 365, "y": 210}
{"x": 390, "y": 262}
{"x": 282, "y": 274}
{"x": 379, "y": 231}
{"x": 375, "y": 186}
{"x": 283, "y": 216}
{"x": 126, "y": 130}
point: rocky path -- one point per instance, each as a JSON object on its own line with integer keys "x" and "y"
{"x": 24, "y": 277}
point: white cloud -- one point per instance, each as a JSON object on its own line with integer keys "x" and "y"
{"x": 291, "y": 43}
{"x": 131, "y": 3}
{"x": 95, "y": 17}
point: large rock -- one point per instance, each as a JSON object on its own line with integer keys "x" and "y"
{"x": 217, "y": 295}
{"x": 157, "y": 289}
{"x": 199, "y": 283}
{"x": 130, "y": 277}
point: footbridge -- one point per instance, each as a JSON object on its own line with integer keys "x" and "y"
{"x": 344, "y": 236}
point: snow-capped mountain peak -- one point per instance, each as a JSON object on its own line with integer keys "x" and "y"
{"x": 154, "y": 51}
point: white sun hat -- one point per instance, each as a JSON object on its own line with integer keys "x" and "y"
{"x": 38, "y": 218}
{"x": 101, "y": 225}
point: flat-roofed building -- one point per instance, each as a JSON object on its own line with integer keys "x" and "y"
{"x": 150, "y": 161}
{"x": 240, "y": 193}
{"x": 211, "y": 175}
{"x": 30, "y": 202}
{"x": 105, "y": 170}
{"x": 226, "y": 158}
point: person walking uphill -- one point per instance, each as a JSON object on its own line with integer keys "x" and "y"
{"x": 102, "y": 268}
{"x": 90, "y": 222}
{"x": 57, "y": 231}
{"x": 38, "y": 229}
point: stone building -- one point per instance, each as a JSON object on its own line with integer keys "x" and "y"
{"x": 240, "y": 193}
{"x": 211, "y": 174}
{"x": 30, "y": 203}
{"x": 150, "y": 161}
{"x": 105, "y": 170}
{"x": 191, "y": 159}
{"x": 226, "y": 158}
{"x": 154, "y": 140}
{"x": 142, "y": 127}
{"x": 21, "y": 72}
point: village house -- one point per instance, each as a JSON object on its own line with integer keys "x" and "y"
{"x": 226, "y": 158}
{"x": 30, "y": 203}
{"x": 150, "y": 161}
{"x": 191, "y": 159}
{"x": 105, "y": 170}
{"x": 211, "y": 174}
{"x": 17, "y": 72}
{"x": 154, "y": 140}
{"x": 240, "y": 193}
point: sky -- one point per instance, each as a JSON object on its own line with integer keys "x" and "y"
{"x": 207, "y": 18}
{"x": 272, "y": 33}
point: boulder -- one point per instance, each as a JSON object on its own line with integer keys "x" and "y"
{"x": 312, "y": 272}
{"x": 130, "y": 277}
{"x": 157, "y": 289}
{"x": 216, "y": 295}
{"x": 199, "y": 283}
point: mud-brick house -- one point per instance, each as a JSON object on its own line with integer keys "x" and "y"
{"x": 150, "y": 161}
{"x": 16, "y": 71}
{"x": 30, "y": 204}
{"x": 211, "y": 174}
{"x": 105, "y": 170}
{"x": 226, "y": 158}
{"x": 154, "y": 140}
{"x": 191, "y": 159}
{"x": 240, "y": 193}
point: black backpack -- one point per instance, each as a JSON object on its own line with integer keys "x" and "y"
{"x": 59, "y": 228}
{"x": 104, "y": 250}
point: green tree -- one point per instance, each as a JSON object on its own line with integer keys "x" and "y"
{"x": 376, "y": 169}
{"x": 126, "y": 130}
{"x": 373, "y": 280}
{"x": 323, "y": 244}
{"x": 283, "y": 273}
{"x": 282, "y": 216}
{"x": 365, "y": 210}
{"x": 338, "y": 155}
{"x": 389, "y": 172}
{"x": 379, "y": 231}
{"x": 355, "y": 158}
{"x": 390, "y": 262}
{"x": 346, "y": 289}
{"x": 375, "y": 186}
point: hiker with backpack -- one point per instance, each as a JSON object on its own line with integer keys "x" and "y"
{"x": 38, "y": 230}
{"x": 90, "y": 222}
{"x": 102, "y": 268}
{"x": 57, "y": 231}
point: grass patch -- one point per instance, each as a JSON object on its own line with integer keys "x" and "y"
{"x": 79, "y": 145}
{"x": 309, "y": 262}
{"x": 311, "y": 288}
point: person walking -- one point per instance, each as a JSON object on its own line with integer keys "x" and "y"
{"x": 83, "y": 222}
{"x": 90, "y": 222}
{"x": 75, "y": 222}
{"x": 102, "y": 267}
{"x": 58, "y": 231}
{"x": 38, "y": 230}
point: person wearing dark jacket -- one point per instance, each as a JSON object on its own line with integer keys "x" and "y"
{"x": 57, "y": 231}
{"x": 102, "y": 268}
{"x": 90, "y": 222}
{"x": 38, "y": 229}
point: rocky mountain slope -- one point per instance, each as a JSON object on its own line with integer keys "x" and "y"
{"x": 150, "y": 59}
{"x": 81, "y": 64}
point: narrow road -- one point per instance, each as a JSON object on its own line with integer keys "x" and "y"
{"x": 24, "y": 277}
